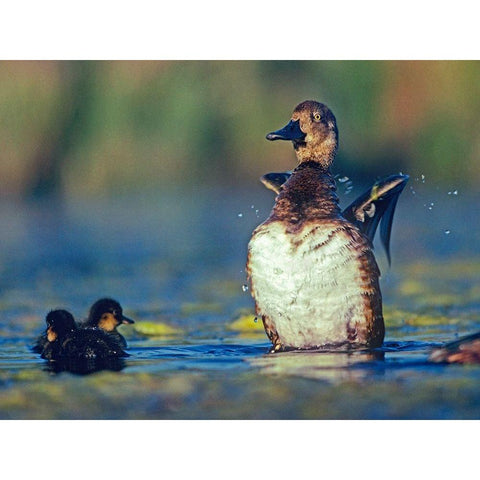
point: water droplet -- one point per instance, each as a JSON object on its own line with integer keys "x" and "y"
{"x": 255, "y": 319}
{"x": 240, "y": 215}
{"x": 343, "y": 179}
{"x": 245, "y": 287}
{"x": 447, "y": 232}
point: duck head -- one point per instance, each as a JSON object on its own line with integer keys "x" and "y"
{"x": 313, "y": 132}
{"x": 107, "y": 314}
{"x": 59, "y": 324}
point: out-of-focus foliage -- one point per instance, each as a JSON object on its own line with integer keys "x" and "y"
{"x": 90, "y": 128}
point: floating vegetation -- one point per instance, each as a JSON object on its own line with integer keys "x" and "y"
{"x": 397, "y": 317}
{"x": 247, "y": 323}
{"x": 155, "y": 329}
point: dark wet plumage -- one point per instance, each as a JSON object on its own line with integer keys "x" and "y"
{"x": 107, "y": 314}
{"x": 66, "y": 341}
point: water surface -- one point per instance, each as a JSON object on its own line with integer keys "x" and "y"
{"x": 175, "y": 260}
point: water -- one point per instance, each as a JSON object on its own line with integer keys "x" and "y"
{"x": 176, "y": 263}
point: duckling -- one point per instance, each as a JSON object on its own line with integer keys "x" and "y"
{"x": 68, "y": 342}
{"x": 60, "y": 325}
{"x": 464, "y": 350}
{"x": 312, "y": 272}
{"x": 107, "y": 314}
{"x": 366, "y": 211}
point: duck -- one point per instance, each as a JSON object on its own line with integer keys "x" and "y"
{"x": 66, "y": 341}
{"x": 465, "y": 350}
{"x": 106, "y": 314}
{"x": 60, "y": 325}
{"x": 312, "y": 272}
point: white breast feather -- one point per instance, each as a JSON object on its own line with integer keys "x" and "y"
{"x": 309, "y": 293}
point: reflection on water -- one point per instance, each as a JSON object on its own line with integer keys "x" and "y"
{"x": 176, "y": 263}
{"x": 327, "y": 366}
{"x": 87, "y": 366}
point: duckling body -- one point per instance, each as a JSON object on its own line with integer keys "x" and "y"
{"x": 312, "y": 273}
{"x": 85, "y": 344}
{"x": 65, "y": 341}
{"x": 106, "y": 315}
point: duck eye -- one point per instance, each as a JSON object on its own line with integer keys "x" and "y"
{"x": 316, "y": 117}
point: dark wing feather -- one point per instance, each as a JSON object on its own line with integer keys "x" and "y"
{"x": 386, "y": 225}
{"x": 377, "y": 205}
{"x": 275, "y": 180}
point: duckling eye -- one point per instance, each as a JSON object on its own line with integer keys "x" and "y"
{"x": 317, "y": 117}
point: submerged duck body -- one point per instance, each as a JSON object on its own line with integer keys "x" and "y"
{"x": 312, "y": 272}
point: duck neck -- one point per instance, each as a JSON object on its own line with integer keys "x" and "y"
{"x": 322, "y": 153}
{"x": 310, "y": 193}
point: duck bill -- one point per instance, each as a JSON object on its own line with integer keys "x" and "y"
{"x": 291, "y": 131}
{"x": 127, "y": 320}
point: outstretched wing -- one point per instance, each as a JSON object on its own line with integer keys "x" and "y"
{"x": 376, "y": 205}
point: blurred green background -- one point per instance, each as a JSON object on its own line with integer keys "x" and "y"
{"x": 88, "y": 128}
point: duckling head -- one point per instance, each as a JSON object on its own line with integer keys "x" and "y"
{"x": 313, "y": 132}
{"x": 59, "y": 324}
{"x": 107, "y": 314}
